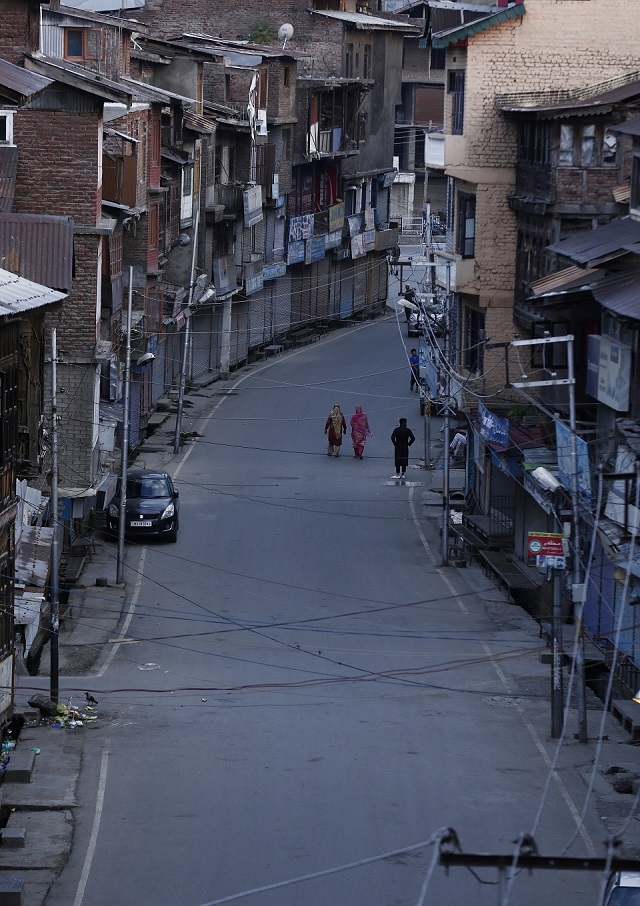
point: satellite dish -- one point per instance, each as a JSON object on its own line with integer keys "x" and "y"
{"x": 285, "y": 33}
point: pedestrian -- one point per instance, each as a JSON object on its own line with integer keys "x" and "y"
{"x": 359, "y": 431}
{"x": 402, "y": 438}
{"x": 336, "y": 426}
{"x": 459, "y": 443}
{"x": 414, "y": 364}
{"x": 410, "y": 296}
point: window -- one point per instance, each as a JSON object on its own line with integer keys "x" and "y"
{"x": 367, "y": 61}
{"x": 466, "y": 225}
{"x": 438, "y": 57}
{"x": 565, "y": 155}
{"x": 187, "y": 181}
{"x": 588, "y": 153}
{"x": 6, "y": 127}
{"x": 534, "y": 143}
{"x": 348, "y": 61}
{"x": 609, "y": 149}
{"x": 456, "y": 88}
{"x": 82, "y": 43}
{"x": 285, "y": 76}
{"x": 473, "y": 340}
{"x": 362, "y": 128}
{"x": 357, "y": 66}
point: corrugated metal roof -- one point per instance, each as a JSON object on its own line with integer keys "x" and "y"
{"x": 104, "y": 6}
{"x": 369, "y": 23}
{"x": 484, "y": 23}
{"x": 38, "y": 247}
{"x": 631, "y": 127}
{"x": 18, "y": 295}
{"x": 151, "y": 94}
{"x": 600, "y": 102}
{"x": 592, "y": 247}
{"x": 32, "y": 560}
{"x": 621, "y": 194}
{"x": 199, "y": 123}
{"x": 8, "y": 170}
{"x": 20, "y": 83}
{"x": 69, "y": 74}
{"x": 620, "y": 293}
{"x": 570, "y": 278}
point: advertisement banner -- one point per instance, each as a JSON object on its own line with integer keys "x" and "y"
{"x": 566, "y": 466}
{"x": 336, "y": 217}
{"x": 301, "y": 227}
{"x": 609, "y": 372}
{"x": 295, "y": 252}
{"x": 252, "y": 201}
{"x": 358, "y": 248}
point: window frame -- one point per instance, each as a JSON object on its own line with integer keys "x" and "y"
{"x": 466, "y": 239}
{"x": 7, "y": 116}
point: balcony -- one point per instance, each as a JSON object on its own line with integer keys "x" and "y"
{"x": 329, "y": 142}
{"x": 231, "y": 197}
{"x": 387, "y": 239}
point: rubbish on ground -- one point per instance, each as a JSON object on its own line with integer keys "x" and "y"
{"x": 45, "y": 706}
{"x": 36, "y": 750}
{"x": 148, "y": 666}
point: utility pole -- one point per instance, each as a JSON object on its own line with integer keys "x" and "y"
{"x": 578, "y": 590}
{"x": 446, "y": 434}
{"x": 55, "y": 554}
{"x": 557, "y": 690}
{"x": 187, "y": 339}
{"x": 125, "y": 442}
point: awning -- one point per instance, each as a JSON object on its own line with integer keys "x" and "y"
{"x": 463, "y": 32}
{"x": 620, "y": 293}
{"x": 32, "y": 560}
{"x": 592, "y": 247}
{"x": 571, "y": 278}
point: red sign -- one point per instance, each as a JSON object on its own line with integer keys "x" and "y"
{"x": 545, "y": 544}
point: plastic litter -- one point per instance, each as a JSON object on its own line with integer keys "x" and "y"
{"x": 148, "y": 666}
{"x": 36, "y": 750}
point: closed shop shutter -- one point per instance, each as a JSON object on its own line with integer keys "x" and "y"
{"x": 239, "y": 333}
{"x": 282, "y": 305}
{"x": 259, "y": 316}
{"x": 360, "y": 284}
{"x": 158, "y": 371}
{"x": 382, "y": 205}
{"x": 346, "y": 289}
{"x": 323, "y": 286}
{"x": 135, "y": 394}
{"x": 173, "y": 358}
{"x": 200, "y": 343}
{"x": 297, "y": 292}
{"x": 429, "y": 106}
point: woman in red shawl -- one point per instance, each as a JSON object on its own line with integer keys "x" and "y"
{"x": 336, "y": 426}
{"x": 359, "y": 431}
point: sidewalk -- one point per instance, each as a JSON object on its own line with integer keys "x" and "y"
{"x": 39, "y": 790}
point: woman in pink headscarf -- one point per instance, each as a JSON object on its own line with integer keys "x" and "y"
{"x": 359, "y": 431}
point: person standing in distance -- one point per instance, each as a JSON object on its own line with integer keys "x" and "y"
{"x": 335, "y": 426}
{"x": 414, "y": 364}
{"x": 402, "y": 438}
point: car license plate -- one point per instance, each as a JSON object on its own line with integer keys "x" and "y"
{"x": 141, "y": 523}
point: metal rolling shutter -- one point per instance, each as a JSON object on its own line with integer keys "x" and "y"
{"x": 281, "y": 305}
{"x": 346, "y": 289}
{"x": 297, "y": 290}
{"x": 135, "y": 394}
{"x": 158, "y": 388}
{"x": 239, "y": 332}
{"x": 200, "y": 343}
{"x": 323, "y": 275}
{"x": 360, "y": 284}
{"x": 259, "y": 311}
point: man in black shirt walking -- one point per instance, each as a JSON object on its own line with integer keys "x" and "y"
{"x": 402, "y": 438}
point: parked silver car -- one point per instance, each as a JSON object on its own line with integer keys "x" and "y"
{"x": 623, "y": 889}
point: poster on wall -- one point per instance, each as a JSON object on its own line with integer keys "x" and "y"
{"x": 301, "y": 227}
{"x": 358, "y": 247}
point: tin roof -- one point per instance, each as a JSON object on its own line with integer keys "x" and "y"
{"x": 8, "y": 170}
{"x": 198, "y": 123}
{"x": 104, "y": 6}
{"x": 365, "y": 22}
{"x": 592, "y": 247}
{"x": 18, "y": 295}
{"x": 32, "y": 560}
{"x": 476, "y": 26}
{"x": 620, "y": 293}
{"x": 569, "y": 279}
{"x": 597, "y": 99}
{"x": 19, "y": 84}
{"x": 38, "y": 247}
{"x": 76, "y": 77}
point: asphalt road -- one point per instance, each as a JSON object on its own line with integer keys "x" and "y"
{"x": 305, "y": 688}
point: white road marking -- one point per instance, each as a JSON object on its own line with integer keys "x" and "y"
{"x": 97, "y": 817}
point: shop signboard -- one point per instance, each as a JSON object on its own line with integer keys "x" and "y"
{"x": 295, "y": 252}
{"x": 252, "y": 201}
{"x": 336, "y": 217}
{"x": 608, "y": 372}
{"x": 301, "y": 227}
{"x": 566, "y": 468}
{"x": 253, "y": 284}
{"x": 317, "y": 247}
{"x": 272, "y": 271}
{"x": 546, "y": 549}
{"x": 493, "y": 428}
{"x": 355, "y": 224}
{"x": 358, "y": 248}
{"x": 370, "y": 240}
{"x": 333, "y": 240}
{"x": 369, "y": 219}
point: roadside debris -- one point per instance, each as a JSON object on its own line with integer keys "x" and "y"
{"x": 62, "y": 716}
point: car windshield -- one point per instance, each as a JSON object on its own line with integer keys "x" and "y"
{"x": 624, "y": 896}
{"x": 147, "y": 487}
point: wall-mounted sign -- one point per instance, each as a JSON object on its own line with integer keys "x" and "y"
{"x": 355, "y": 224}
{"x": 295, "y": 252}
{"x": 333, "y": 240}
{"x": 370, "y": 240}
{"x": 252, "y": 201}
{"x": 608, "y": 372}
{"x": 546, "y": 549}
{"x": 336, "y": 217}
{"x": 493, "y": 428}
{"x": 316, "y": 248}
{"x": 369, "y": 219}
{"x": 253, "y": 284}
{"x": 301, "y": 227}
{"x": 358, "y": 248}
{"x": 272, "y": 271}
{"x": 566, "y": 466}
